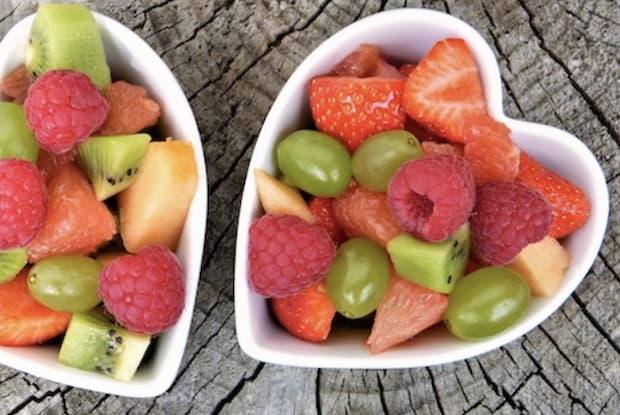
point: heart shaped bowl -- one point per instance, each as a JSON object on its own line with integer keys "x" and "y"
{"x": 133, "y": 60}
{"x": 405, "y": 35}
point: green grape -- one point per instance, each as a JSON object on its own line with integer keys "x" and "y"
{"x": 486, "y": 302}
{"x": 314, "y": 162}
{"x": 377, "y": 159}
{"x": 16, "y": 139}
{"x": 358, "y": 277}
{"x": 65, "y": 283}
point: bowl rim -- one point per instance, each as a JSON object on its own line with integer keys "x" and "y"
{"x": 491, "y": 81}
{"x": 164, "y": 367}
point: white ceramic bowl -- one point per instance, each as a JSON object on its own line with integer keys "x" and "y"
{"x": 133, "y": 60}
{"x": 405, "y": 35}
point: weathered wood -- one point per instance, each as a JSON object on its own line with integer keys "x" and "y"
{"x": 559, "y": 65}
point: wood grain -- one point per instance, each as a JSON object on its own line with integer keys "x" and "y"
{"x": 559, "y": 65}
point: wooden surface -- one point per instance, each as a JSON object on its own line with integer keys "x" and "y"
{"x": 559, "y": 65}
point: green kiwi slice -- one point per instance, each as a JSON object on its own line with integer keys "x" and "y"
{"x": 11, "y": 262}
{"x": 66, "y": 36}
{"x": 16, "y": 138}
{"x": 434, "y": 265}
{"x": 112, "y": 162}
{"x": 94, "y": 343}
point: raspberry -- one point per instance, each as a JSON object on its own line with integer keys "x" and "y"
{"x": 507, "y": 217}
{"x": 433, "y": 196}
{"x": 22, "y": 202}
{"x": 144, "y": 292}
{"x": 323, "y": 212}
{"x": 63, "y": 108}
{"x": 130, "y": 109}
{"x": 287, "y": 255}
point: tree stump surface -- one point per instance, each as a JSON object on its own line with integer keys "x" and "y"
{"x": 559, "y": 65}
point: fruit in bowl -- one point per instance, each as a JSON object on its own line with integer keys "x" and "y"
{"x": 475, "y": 133}
{"x": 96, "y": 118}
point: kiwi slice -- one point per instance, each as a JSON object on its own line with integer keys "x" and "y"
{"x": 434, "y": 265}
{"x": 66, "y": 36}
{"x": 16, "y": 138}
{"x": 11, "y": 262}
{"x": 112, "y": 162}
{"x": 94, "y": 343}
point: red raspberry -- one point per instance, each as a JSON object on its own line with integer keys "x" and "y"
{"x": 22, "y": 202}
{"x": 507, "y": 217}
{"x": 144, "y": 292}
{"x": 287, "y": 255}
{"x": 433, "y": 196}
{"x": 63, "y": 108}
{"x": 323, "y": 212}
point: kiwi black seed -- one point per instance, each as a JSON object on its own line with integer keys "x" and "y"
{"x": 112, "y": 162}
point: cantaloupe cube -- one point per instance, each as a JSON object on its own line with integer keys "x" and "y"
{"x": 153, "y": 209}
{"x": 543, "y": 264}
{"x": 278, "y": 198}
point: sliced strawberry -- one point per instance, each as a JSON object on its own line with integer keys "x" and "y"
{"x": 570, "y": 207}
{"x": 489, "y": 150}
{"x": 15, "y": 84}
{"x": 364, "y": 62}
{"x": 23, "y": 320}
{"x": 431, "y": 148}
{"x": 323, "y": 212}
{"x": 361, "y": 212}
{"x": 352, "y": 109}
{"x": 76, "y": 222}
{"x": 405, "y": 310}
{"x": 406, "y": 68}
{"x": 421, "y": 133}
{"x": 307, "y": 314}
{"x": 444, "y": 89}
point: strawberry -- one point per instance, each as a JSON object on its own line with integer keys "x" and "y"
{"x": 23, "y": 320}
{"x": 444, "y": 89}
{"x": 364, "y": 62}
{"x": 405, "y": 310}
{"x": 570, "y": 207}
{"x": 406, "y": 68}
{"x": 323, "y": 212}
{"x": 307, "y": 314}
{"x": 353, "y": 109}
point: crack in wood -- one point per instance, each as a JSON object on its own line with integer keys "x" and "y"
{"x": 596, "y": 110}
{"x": 317, "y": 392}
{"x": 499, "y": 390}
{"x": 608, "y": 266}
{"x": 435, "y": 391}
{"x": 237, "y": 389}
{"x": 595, "y": 322}
{"x": 384, "y": 405}
{"x": 35, "y": 399}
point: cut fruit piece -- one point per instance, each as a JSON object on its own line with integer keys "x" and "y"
{"x": 50, "y": 163}
{"x": 322, "y": 209}
{"x": 444, "y": 89}
{"x": 76, "y": 222}
{"x": 112, "y": 162}
{"x": 162, "y": 193}
{"x": 11, "y": 262}
{"x": 543, "y": 264}
{"x": 489, "y": 150}
{"x": 130, "y": 109}
{"x": 405, "y": 310}
{"x": 361, "y": 212}
{"x": 94, "y": 343}
{"x": 364, "y": 62}
{"x": 279, "y": 198}
{"x": 66, "y": 36}
{"x": 23, "y": 320}
{"x": 16, "y": 138}
{"x": 431, "y": 148}
{"x": 15, "y": 84}
{"x": 437, "y": 266}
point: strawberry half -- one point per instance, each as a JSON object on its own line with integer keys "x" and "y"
{"x": 444, "y": 89}
{"x": 23, "y": 320}
{"x": 322, "y": 210}
{"x": 307, "y": 314}
{"x": 570, "y": 207}
{"x": 405, "y": 310}
{"x": 353, "y": 109}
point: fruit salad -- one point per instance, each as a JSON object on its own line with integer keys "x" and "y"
{"x": 92, "y": 203}
{"x": 407, "y": 204}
